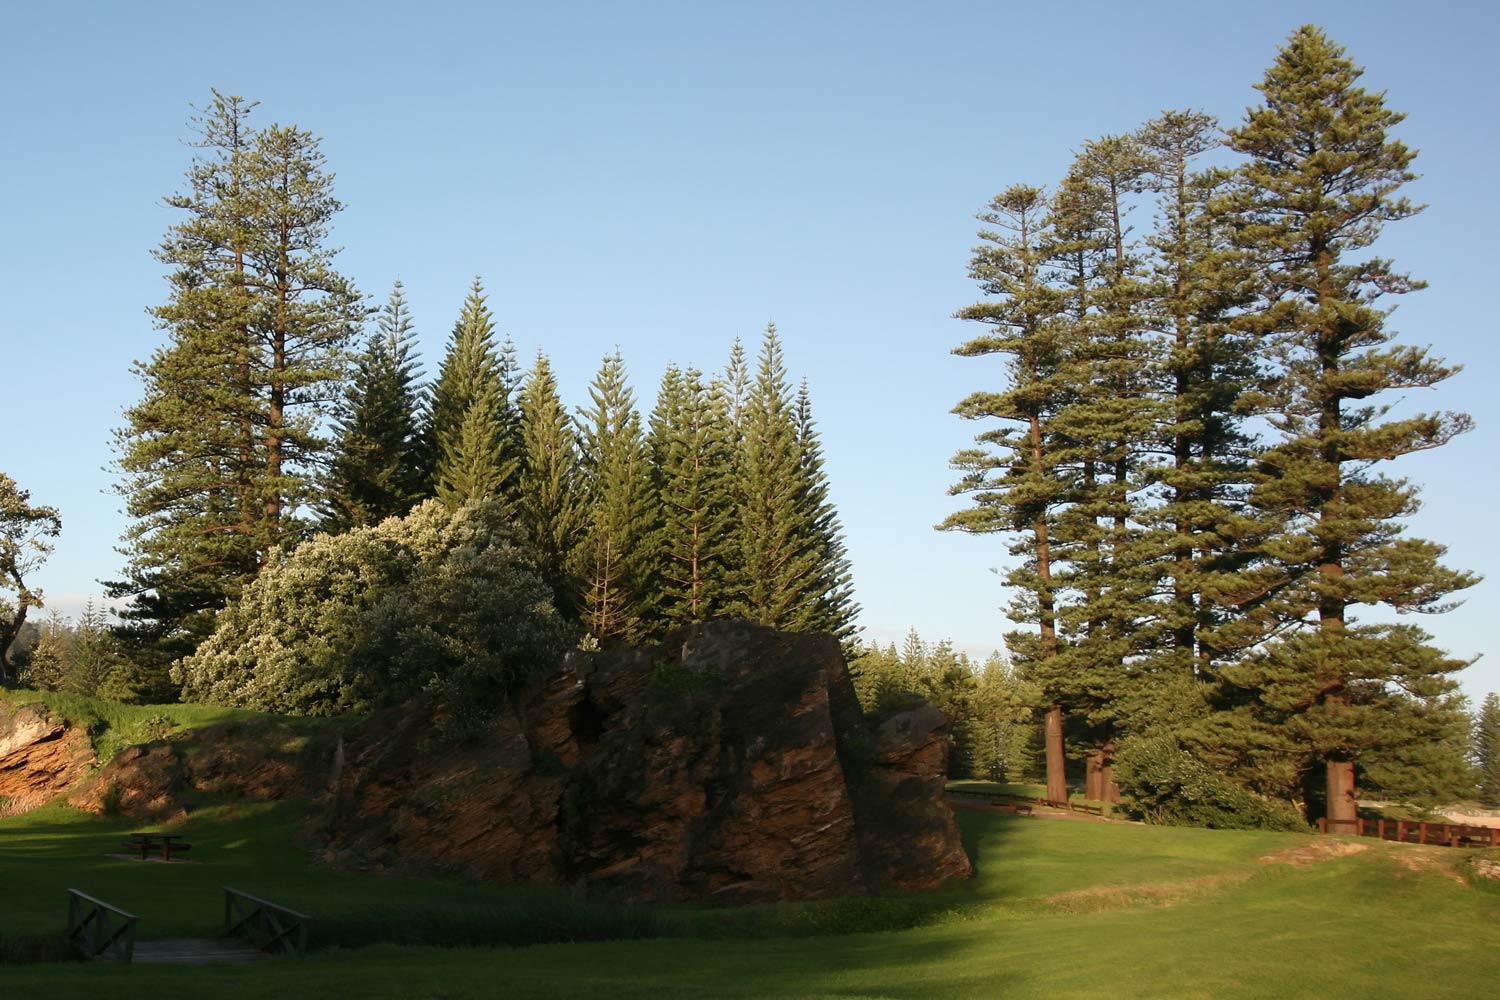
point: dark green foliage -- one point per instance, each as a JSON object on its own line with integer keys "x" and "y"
{"x": 378, "y": 462}
{"x": 1186, "y": 577}
{"x": 791, "y": 572}
{"x": 692, "y": 454}
{"x": 553, "y": 507}
{"x": 475, "y": 428}
{"x": 835, "y": 609}
{"x": 618, "y": 552}
{"x": 1486, "y": 749}
{"x": 220, "y": 452}
{"x": 1165, "y": 784}
{"x": 1024, "y": 471}
{"x": 1322, "y": 179}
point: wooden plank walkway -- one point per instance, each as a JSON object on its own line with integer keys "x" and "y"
{"x": 195, "y": 951}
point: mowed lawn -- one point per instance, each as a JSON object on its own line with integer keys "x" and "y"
{"x": 1057, "y": 909}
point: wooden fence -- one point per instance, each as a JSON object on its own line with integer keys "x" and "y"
{"x": 1012, "y": 798}
{"x": 1415, "y": 832}
{"x": 95, "y": 927}
{"x": 266, "y": 925}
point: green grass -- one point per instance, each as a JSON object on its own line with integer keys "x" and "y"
{"x": 112, "y": 726}
{"x": 1057, "y": 909}
{"x": 977, "y": 787}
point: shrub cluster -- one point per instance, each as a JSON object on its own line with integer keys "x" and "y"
{"x": 1162, "y": 783}
{"x": 440, "y": 600}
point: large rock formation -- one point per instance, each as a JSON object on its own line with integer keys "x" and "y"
{"x": 258, "y": 759}
{"x": 39, "y": 758}
{"x": 729, "y": 763}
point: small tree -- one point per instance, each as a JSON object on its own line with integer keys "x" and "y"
{"x": 25, "y": 529}
{"x": 1487, "y": 749}
{"x": 48, "y": 667}
{"x": 93, "y": 655}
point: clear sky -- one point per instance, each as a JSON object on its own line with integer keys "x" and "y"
{"x": 667, "y": 176}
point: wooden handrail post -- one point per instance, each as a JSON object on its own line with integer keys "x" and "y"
{"x": 277, "y": 926}
{"x": 89, "y": 927}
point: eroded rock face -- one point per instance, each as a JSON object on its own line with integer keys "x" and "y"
{"x": 259, "y": 761}
{"x": 39, "y": 758}
{"x": 730, "y": 763}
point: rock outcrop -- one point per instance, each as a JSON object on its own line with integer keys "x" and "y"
{"x": 39, "y": 758}
{"x": 729, "y": 763}
{"x": 258, "y": 760}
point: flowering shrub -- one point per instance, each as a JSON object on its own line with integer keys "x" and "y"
{"x": 440, "y": 600}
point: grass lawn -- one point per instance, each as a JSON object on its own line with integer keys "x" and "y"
{"x": 1057, "y": 909}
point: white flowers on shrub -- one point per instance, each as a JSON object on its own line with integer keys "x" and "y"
{"x": 438, "y": 600}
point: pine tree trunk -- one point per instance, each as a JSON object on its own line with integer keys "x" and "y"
{"x": 1093, "y": 788}
{"x": 1057, "y": 782}
{"x": 1341, "y": 805}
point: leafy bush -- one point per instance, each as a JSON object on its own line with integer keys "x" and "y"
{"x": 440, "y": 600}
{"x": 1163, "y": 783}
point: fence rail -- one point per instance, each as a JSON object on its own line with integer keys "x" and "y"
{"x": 95, "y": 927}
{"x": 267, "y": 925}
{"x": 1415, "y": 831}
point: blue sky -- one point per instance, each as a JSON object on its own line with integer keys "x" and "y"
{"x": 667, "y": 176}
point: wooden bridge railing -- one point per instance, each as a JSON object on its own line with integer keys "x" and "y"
{"x": 267, "y": 925}
{"x": 95, "y": 927}
{"x": 1415, "y": 831}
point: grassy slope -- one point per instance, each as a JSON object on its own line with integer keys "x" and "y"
{"x": 1061, "y": 909}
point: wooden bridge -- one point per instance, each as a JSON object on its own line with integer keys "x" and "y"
{"x": 254, "y": 928}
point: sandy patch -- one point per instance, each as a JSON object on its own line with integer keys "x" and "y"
{"x": 1153, "y": 894}
{"x": 1429, "y": 861}
{"x": 1313, "y": 852}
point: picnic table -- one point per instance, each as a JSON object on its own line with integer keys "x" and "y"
{"x": 145, "y": 843}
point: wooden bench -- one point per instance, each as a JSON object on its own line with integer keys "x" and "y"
{"x": 145, "y": 843}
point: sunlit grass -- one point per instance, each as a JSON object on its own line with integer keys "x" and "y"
{"x": 1057, "y": 909}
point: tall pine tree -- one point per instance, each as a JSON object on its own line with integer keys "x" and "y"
{"x": 1022, "y": 471}
{"x": 1323, "y": 178}
{"x": 787, "y": 576}
{"x": 553, "y": 508}
{"x": 615, "y": 559}
{"x": 1486, "y": 749}
{"x": 475, "y": 436}
{"x": 692, "y": 453}
{"x": 377, "y": 467}
{"x": 834, "y": 607}
{"x": 219, "y": 454}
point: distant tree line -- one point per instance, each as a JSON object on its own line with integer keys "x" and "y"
{"x": 1186, "y": 451}
{"x": 266, "y": 418}
{"x": 993, "y": 732}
